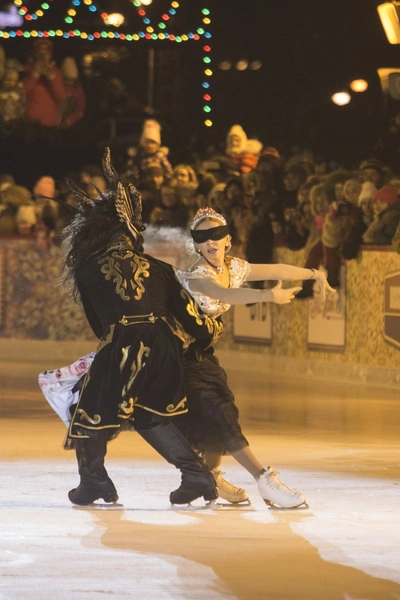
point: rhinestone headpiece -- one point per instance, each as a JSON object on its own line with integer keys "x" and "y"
{"x": 207, "y": 213}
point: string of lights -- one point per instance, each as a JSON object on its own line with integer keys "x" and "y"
{"x": 158, "y": 32}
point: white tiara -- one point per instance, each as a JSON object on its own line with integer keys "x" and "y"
{"x": 207, "y": 213}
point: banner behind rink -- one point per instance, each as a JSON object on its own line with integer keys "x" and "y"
{"x": 252, "y": 324}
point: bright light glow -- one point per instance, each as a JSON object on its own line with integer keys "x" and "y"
{"x": 341, "y": 98}
{"x": 255, "y": 65}
{"x": 390, "y": 21}
{"x": 242, "y": 65}
{"x": 225, "y": 65}
{"x": 114, "y": 19}
{"x": 359, "y": 85}
{"x": 146, "y": 2}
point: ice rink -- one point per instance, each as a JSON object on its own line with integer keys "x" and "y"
{"x": 336, "y": 442}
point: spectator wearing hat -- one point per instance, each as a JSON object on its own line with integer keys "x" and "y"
{"x": 26, "y": 219}
{"x": 74, "y": 105}
{"x": 44, "y": 86}
{"x": 386, "y": 207}
{"x": 150, "y": 152}
{"x": 241, "y": 153}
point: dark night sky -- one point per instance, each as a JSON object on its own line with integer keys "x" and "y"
{"x": 309, "y": 49}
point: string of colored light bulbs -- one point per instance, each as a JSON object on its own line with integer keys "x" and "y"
{"x": 149, "y": 34}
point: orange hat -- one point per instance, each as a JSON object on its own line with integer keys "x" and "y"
{"x": 248, "y": 162}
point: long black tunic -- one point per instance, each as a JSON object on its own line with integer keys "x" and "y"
{"x": 137, "y": 308}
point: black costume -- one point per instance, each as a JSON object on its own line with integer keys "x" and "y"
{"x": 134, "y": 304}
{"x": 132, "y": 301}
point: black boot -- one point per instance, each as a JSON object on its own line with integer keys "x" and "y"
{"x": 196, "y": 478}
{"x": 95, "y": 482}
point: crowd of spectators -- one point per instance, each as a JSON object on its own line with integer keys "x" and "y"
{"x": 39, "y": 91}
{"x": 270, "y": 197}
{"x": 269, "y": 200}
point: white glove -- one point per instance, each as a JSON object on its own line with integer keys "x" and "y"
{"x": 281, "y": 295}
{"x": 323, "y": 284}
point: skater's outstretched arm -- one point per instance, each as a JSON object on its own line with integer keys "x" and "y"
{"x": 288, "y": 273}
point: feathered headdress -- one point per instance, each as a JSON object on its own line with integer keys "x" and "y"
{"x": 127, "y": 199}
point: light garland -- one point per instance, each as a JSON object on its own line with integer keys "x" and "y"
{"x": 152, "y": 32}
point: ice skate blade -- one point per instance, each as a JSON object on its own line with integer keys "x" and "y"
{"x": 272, "y": 506}
{"x": 227, "y": 504}
{"x": 189, "y": 506}
{"x": 99, "y": 506}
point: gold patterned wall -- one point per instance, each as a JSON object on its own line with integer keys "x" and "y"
{"x": 364, "y": 305}
{"x": 35, "y": 305}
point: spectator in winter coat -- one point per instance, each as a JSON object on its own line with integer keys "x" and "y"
{"x": 150, "y": 152}
{"x": 44, "y": 86}
{"x": 386, "y": 206}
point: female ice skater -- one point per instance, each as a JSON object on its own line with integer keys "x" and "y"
{"x": 214, "y": 281}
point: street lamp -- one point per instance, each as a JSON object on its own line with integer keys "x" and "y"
{"x": 388, "y": 14}
{"x": 359, "y": 85}
{"x": 341, "y": 98}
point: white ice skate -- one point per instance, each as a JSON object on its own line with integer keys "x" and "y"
{"x": 276, "y": 493}
{"x": 229, "y": 492}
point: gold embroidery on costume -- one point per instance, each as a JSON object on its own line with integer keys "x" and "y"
{"x": 111, "y": 266}
{"x": 142, "y": 270}
{"x": 181, "y": 405}
{"x": 85, "y": 416}
{"x": 137, "y": 366}
{"x": 125, "y": 353}
{"x": 213, "y": 326}
{"x": 112, "y": 270}
{"x": 162, "y": 414}
{"x": 126, "y": 408}
{"x": 178, "y": 330}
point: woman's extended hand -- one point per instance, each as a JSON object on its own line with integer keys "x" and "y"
{"x": 283, "y": 295}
